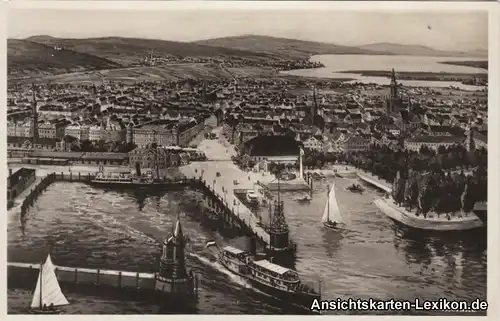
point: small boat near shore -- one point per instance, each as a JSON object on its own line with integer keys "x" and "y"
{"x": 356, "y": 188}
{"x": 304, "y": 198}
{"x": 280, "y": 282}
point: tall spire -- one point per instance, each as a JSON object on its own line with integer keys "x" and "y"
{"x": 178, "y": 228}
{"x": 35, "y": 114}
{"x": 394, "y": 85}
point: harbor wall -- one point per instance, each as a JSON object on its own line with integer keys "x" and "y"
{"x": 25, "y": 275}
{"x": 470, "y": 221}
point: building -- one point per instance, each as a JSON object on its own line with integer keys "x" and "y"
{"x": 313, "y": 143}
{"x": 17, "y": 182}
{"x": 173, "y": 277}
{"x": 355, "y": 143}
{"x": 78, "y": 131}
{"x": 52, "y": 130}
{"x": 163, "y": 134}
{"x": 15, "y": 129}
{"x": 277, "y": 149}
{"x": 432, "y": 142}
{"x": 155, "y": 160}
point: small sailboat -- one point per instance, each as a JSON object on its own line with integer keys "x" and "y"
{"x": 48, "y": 294}
{"x": 331, "y": 215}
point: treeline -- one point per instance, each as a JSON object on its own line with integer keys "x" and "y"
{"x": 438, "y": 191}
{"x": 386, "y": 162}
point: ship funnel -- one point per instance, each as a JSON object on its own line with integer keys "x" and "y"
{"x": 138, "y": 169}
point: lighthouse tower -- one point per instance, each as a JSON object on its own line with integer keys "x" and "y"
{"x": 173, "y": 278}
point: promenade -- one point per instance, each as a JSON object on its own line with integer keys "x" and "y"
{"x": 457, "y": 221}
{"x": 224, "y": 184}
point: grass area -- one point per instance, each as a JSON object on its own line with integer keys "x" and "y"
{"x": 26, "y": 58}
{"x": 137, "y": 74}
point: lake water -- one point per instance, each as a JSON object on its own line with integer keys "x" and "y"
{"x": 335, "y": 64}
{"x": 372, "y": 257}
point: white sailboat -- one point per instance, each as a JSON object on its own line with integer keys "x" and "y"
{"x": 331, "y": 215}
{"x": 48, "y": 294}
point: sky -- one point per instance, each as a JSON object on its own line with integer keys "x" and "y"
{"x": 457, "y": 31}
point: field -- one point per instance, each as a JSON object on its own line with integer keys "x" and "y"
{"x": 26, "y": 57}
{"x": 138, "y": 74}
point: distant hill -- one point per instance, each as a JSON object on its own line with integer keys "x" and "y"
{"x": 289, "y": 48}
{"x": 130, "y": 50}
{"x": 416, "y": 50}
{"x": 28, "y": 57}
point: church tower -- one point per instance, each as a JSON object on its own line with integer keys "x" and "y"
{"x": 394, "y": 85}
{"x": 469, "y": 141}
{"x": 34, "y": 119}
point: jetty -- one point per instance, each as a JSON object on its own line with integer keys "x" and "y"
{"x": 174, "y": 284}
{"x": 375, "y": 181}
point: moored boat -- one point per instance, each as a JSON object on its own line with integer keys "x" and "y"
{"x": 304, "y": 198}
{"x": 355, "y": 188}
{"x": 252, "y": 197}
{"x": 280, "y": 282}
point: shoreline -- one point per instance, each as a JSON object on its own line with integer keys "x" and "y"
{"x": 432, "y": 222}
{"x": 420, "y": 76}
{"x": 482, "y": 64}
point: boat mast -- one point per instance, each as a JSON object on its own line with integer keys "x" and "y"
{"x": 328, "y": 203}
{"x": 41, "y": 285}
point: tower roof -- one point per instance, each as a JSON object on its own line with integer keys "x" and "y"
{"x": 177, "y": 234}
{"x": 178, "y": 228}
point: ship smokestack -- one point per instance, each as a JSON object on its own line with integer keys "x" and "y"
{"x": 253, "y": 246}
{"x": 138, "y": 169}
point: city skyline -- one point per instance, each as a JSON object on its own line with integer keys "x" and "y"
{"x": 431, "y": 29}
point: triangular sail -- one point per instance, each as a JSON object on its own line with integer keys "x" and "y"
{"x": 49, "y": 286}
{"x": 332, "y": 211}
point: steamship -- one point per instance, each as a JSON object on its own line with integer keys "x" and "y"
{"x": 127, "y": 179}
{"x": 280, "y": 282}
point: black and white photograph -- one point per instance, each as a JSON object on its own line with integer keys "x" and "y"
{"x": 266, "y": 161}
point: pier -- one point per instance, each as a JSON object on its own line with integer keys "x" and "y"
{"x": 373, "y": 180}
{"x": 174, "y": 283}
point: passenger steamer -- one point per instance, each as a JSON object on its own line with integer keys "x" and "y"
{"x": 278, "y": 281}
{"x": 127, "y": 179}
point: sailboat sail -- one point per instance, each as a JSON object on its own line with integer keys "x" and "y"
{"x": 47, "y": 289}
{"x": 332, "y": 211}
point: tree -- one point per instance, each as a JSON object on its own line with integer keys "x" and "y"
{"x": 467, "y": 198}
